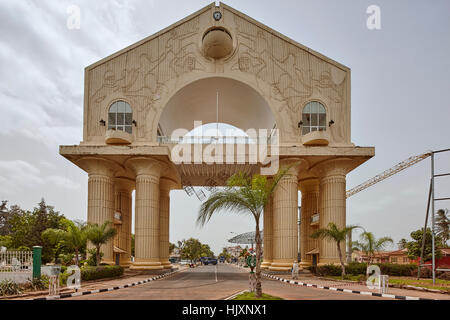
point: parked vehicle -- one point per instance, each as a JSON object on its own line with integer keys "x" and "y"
{"x": 212, "y": 261}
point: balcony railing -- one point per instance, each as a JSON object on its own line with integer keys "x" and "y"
{"x": 216, "y": 140}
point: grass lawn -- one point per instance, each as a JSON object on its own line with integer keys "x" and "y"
{"x": 443, "y": 285}
{"x": 251, "y": 296}
{"x": 347, "y": 277}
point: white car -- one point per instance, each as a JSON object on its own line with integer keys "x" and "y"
{"x": 185, "y": 262}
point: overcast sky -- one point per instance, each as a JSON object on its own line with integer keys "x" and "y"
{"x": 400, "y": 80}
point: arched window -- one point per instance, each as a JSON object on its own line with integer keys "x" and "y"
{"x": 120, "y": 117}
{"x": 314, "y": 117}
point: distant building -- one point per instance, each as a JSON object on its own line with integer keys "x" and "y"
{"x": 400, "y": 257}
{"x": 397, "y": 257}
{"x": 234, "y": 251}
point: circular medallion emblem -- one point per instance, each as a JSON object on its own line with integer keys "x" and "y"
{"x": 217, "y": 15}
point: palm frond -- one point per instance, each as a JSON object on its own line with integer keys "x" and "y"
{"x": 233, "y": 200}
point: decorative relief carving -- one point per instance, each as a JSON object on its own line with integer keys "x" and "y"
{"x": 290, "y": 71}
{"x": 288, "y": 74}
{"x": 142, "y": 77}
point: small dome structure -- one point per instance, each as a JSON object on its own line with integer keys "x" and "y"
{"x": 217, "y": 43}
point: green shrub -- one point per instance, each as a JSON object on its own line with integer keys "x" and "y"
{"x": 36, "y": 284}
{"x": 95, "y": 273}
{"x": 424, "y": 273}
{"x": 399, "y": 270}
{"x": 9, "y": 288}
{"x": 362, "y": 278}
{"x": 328, "y": 270}
{"x": 91, "y": 260}
{"x": 355, "y": 268}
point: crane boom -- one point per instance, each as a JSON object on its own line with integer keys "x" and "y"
{"x": 388, "y": 173}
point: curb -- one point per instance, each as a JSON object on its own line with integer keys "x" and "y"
{"x": 84, "y": 293}
{"x": 366, "y": 293}
{"x": 235, "y": 295}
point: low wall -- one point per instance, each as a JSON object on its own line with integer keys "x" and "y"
{"x": 17, "y": 277}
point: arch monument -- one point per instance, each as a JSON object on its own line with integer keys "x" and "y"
{"x": 216, "y": 65}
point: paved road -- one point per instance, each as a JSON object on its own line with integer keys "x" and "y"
{"x": 215, "y": 283}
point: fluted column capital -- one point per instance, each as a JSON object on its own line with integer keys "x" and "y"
{"x": 166, "y": 184}
{"x": 294, "y": 165}
{"x": 124, "y": 185}
{"x": 145, "y": 166}
{"x": 99, "y": 166}
{"x": 309, "y": 185}
{"x": 333, "y": 167}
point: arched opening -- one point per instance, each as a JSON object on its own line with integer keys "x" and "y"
{"x": 216, "y": 100}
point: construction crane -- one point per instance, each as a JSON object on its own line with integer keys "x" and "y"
{"x": 389, "y": 173}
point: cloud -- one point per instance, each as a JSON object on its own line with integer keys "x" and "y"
{"x": 18, "y": 175}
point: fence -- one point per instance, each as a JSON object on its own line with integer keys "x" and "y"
{"x": 16, "y": 265}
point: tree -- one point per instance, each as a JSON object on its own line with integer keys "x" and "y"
{"x": 191, "y": 249}
{"x": 245, "y": 195}
{"x": 26, "y": 228}
{"x": 73, "y": 239}
{"x": 370, "y": 245}
{"x": 99, "y": 235}
{"x": 171, "y": 247}
{"x": 333, "y": 233}
{"x": 226, "y": 256}
{"x": 443, "y": 225}
{"x": 415, "y": 247}
{"x": 54, "y": 237}
{"x": 6, "y": 241}
{"x": 5, "y": 216}
{"x": 206, "y": 251}
{"x": 402, "y": 244}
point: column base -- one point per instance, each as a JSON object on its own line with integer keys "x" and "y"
{"x": 126, "y": 264}
{"x": 166, "y": 264}
{"x": 147, "y": 266}
{"x": 109, "y": 262}
{"x": 266, "y": 264}
{"x": 305, "y": 264}
{"x": 281, "y": 266}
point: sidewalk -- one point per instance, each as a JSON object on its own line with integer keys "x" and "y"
{"x": 350, "y": 286}
{"x": 353, "y": 286}
{"x": 130, "y": 277}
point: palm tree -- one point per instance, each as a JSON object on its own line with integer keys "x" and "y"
{"x": 333, "y": 233}
{"x": 74, "y": 238}
{"x": 370, "y": 245}
{"x": 99, "y": 235}
{"x": 55, "y": 237}
{"x": 443, "y": 225}
{"x": 248, "y": 195}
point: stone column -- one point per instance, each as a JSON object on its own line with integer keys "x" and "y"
{"x": 164, "y": 220}
{"x": 332, "y": 206}
{"x": 285, "y": 216}
{"x": 123, "y": 191}
{"x": 100, "y": 198}
{"x": 148, "y": 172}
{"x": 310, "y": 200}
{"x": 268, "y": 235}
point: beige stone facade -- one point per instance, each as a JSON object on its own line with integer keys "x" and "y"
{"x": 138, "y": 97}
